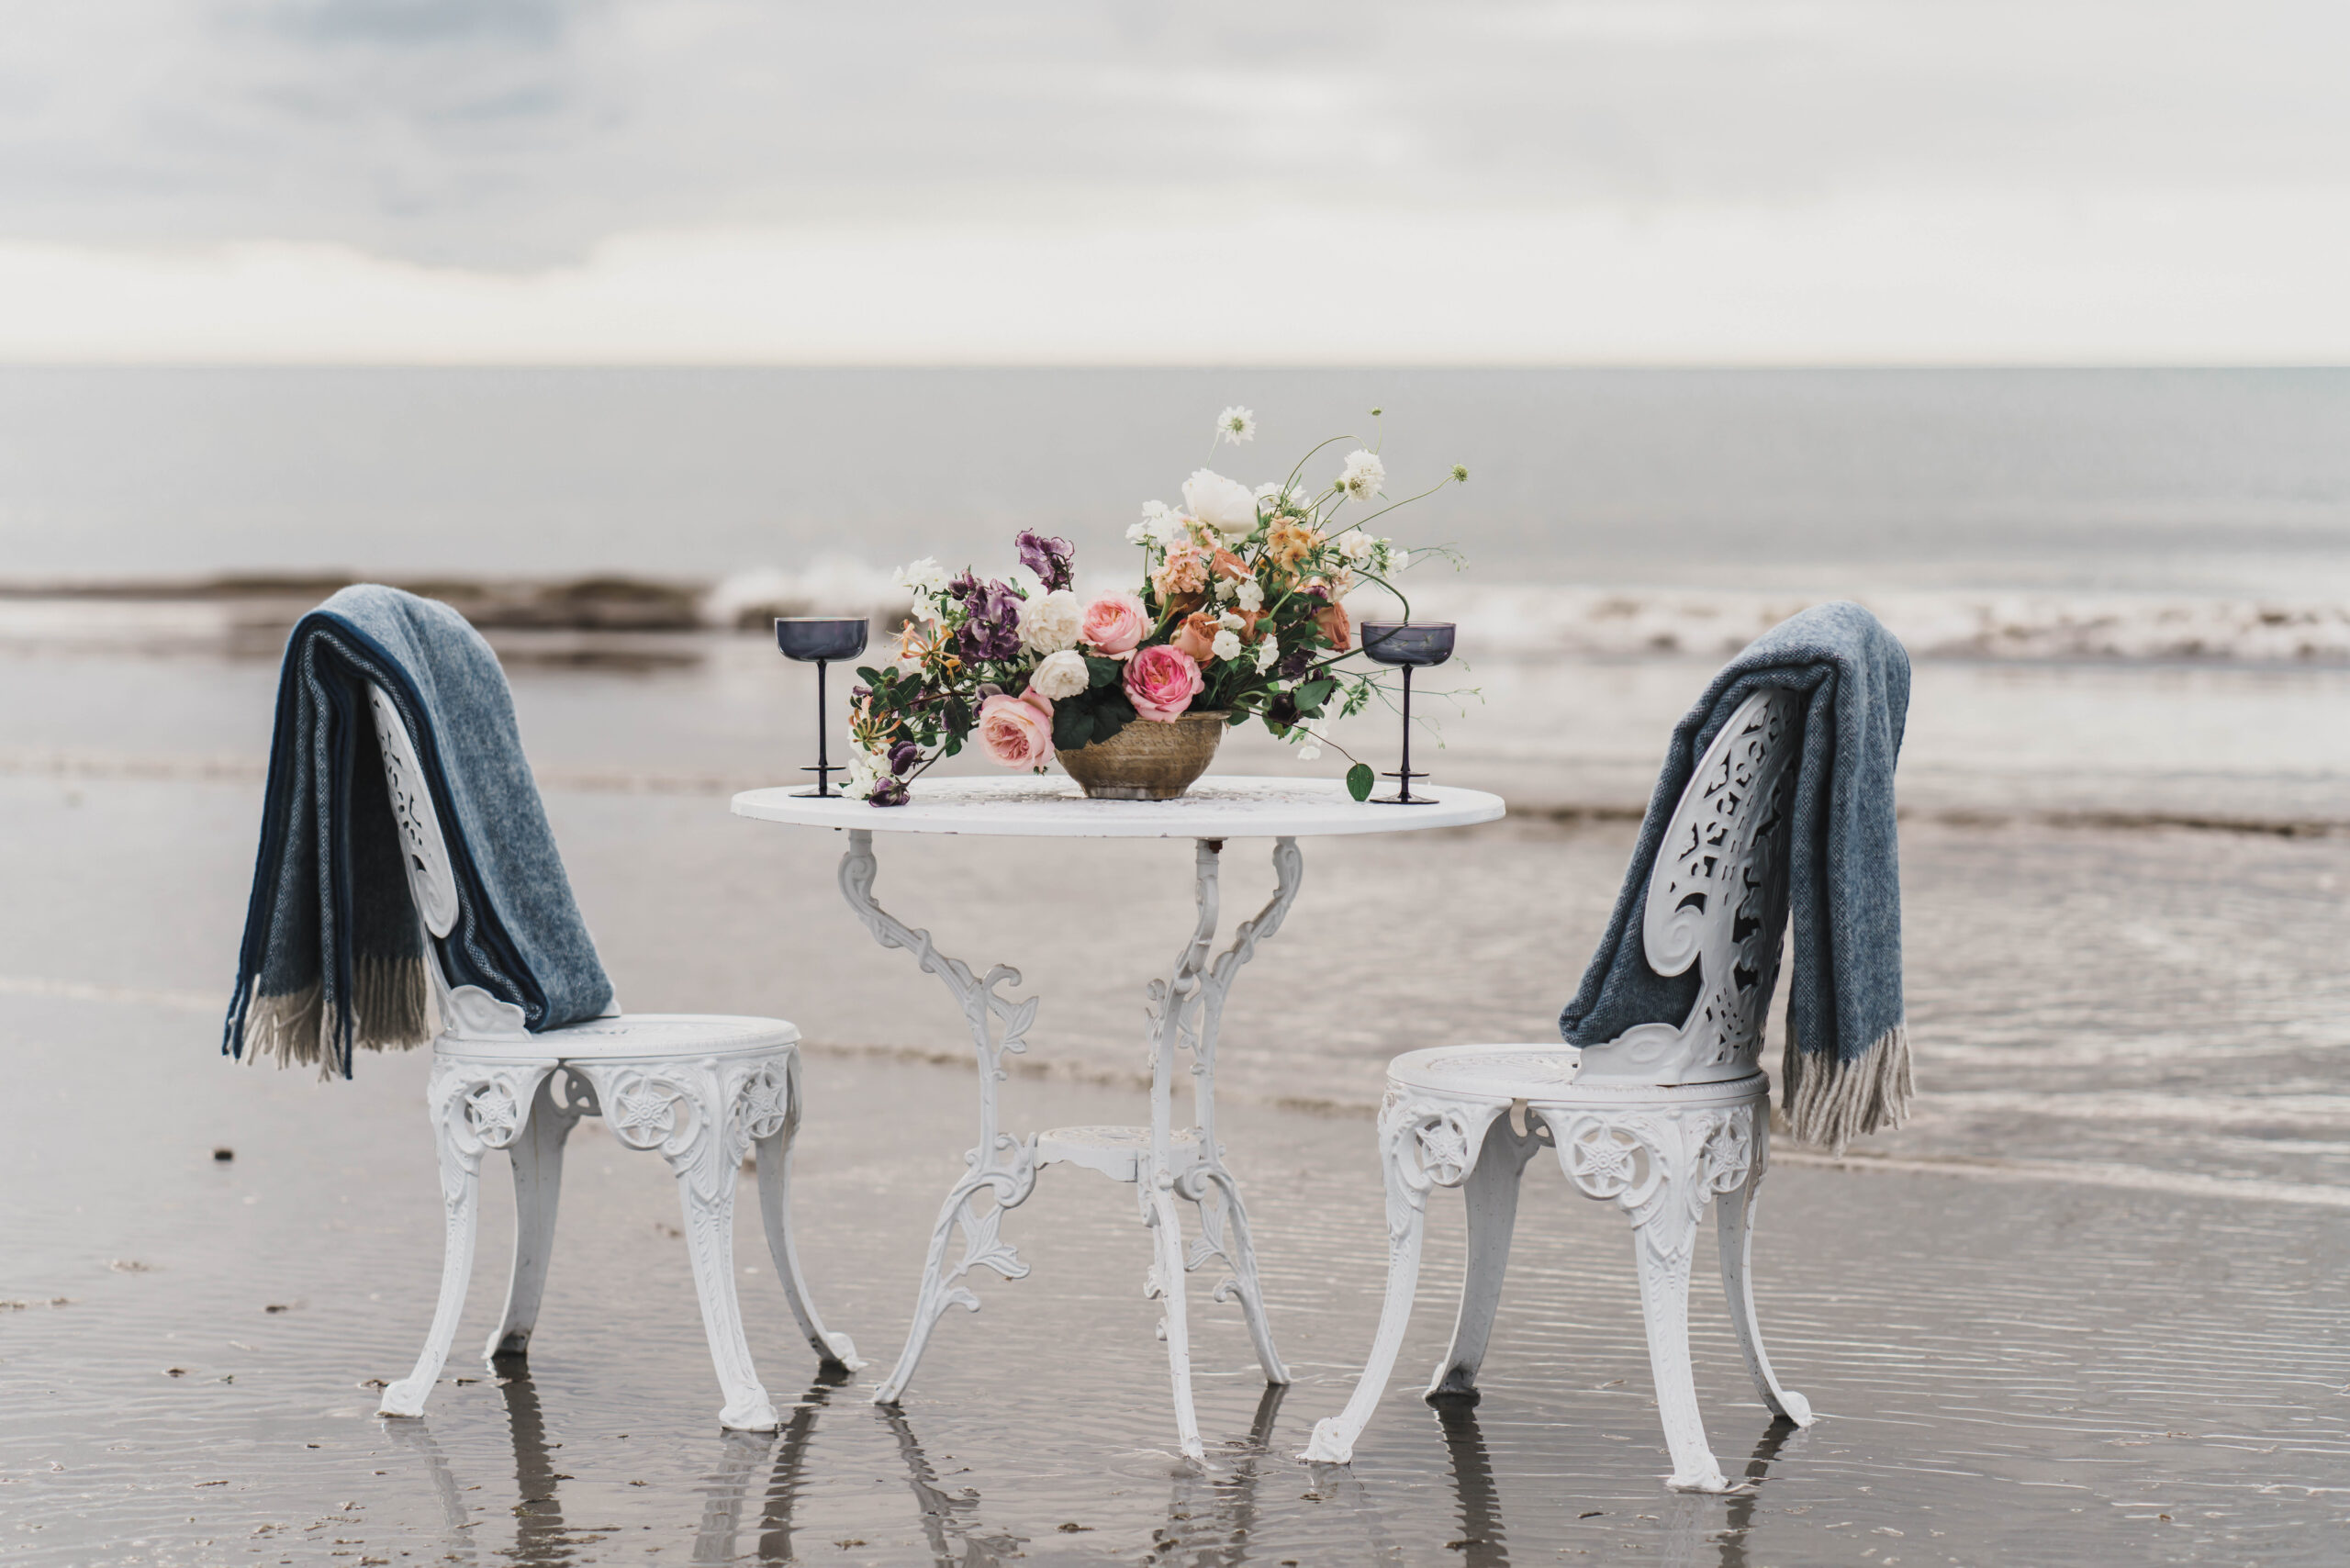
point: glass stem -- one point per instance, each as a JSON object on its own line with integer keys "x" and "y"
{"x": 823, "y": 761}
{"x": 1405, "y": 793}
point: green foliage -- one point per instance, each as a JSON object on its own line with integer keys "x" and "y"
{"x": 1359, "y": 780}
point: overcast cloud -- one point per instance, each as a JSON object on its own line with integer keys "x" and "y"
{"x": 513, "y": 141}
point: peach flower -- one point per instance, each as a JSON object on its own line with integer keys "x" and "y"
{"x": 1114, "y": 623}
{"x": 1197, "y": 636}
{"x": 1332, "y": 619}
{"x": 1229, "y": 566}
{"x": 1017, "y": 731}
{"x": 1161, "y": 681}
{"x": 1185, "y": 570}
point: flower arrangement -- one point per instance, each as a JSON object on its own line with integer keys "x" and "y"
{"x": 1239, "y": 612}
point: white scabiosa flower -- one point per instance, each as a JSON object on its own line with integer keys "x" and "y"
{"x": 1237, "y": 425}
{"x": 1250, "y": 595}
{"x": 1062, "y": 674}
{"x": 1050, "y": 623}
{"x": 1225, "y": 645}
{"x": 1363, "y": 476}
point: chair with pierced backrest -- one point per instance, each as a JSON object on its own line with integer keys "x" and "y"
{"x": 1659, "y": 1120}
{"x": 702, "y": 1091}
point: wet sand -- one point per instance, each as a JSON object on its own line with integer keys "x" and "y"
{"x": 2100, "y": 1282}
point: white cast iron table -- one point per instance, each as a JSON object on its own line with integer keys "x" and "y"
{"x": 1164, "y": 1162}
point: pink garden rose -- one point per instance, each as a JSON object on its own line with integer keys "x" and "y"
{"x": 1017, "y": 731}
{"x": 1114, "y": 623}
{"x": 1161, "y": 682}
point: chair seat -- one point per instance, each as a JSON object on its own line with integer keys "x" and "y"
{"x": 1543, "y": 1075}
{"x": 634, "y": 1035}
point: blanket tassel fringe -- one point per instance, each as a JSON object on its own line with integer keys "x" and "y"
{"x": 391, "y": 1010}
{"x": 1831, "y": 1102}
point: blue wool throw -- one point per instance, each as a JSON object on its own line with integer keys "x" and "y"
{"x": 333, "y": 955}
{"x": 1846, "y": 1063}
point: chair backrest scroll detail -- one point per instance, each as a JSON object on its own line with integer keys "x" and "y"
{"x": 1717, "y": 899}
{"x": 465, "y": 1009}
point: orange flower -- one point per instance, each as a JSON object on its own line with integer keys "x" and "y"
{"x": 1197, "y": 636}
{"x": 1229, "y": 566}
{"x": 1291, "y": 542}
{"x": 1332, "y": 619}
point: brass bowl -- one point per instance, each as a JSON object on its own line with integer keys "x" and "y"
{"x": 1149, "y": 760}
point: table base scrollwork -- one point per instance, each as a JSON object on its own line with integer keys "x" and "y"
{"x": 1165, "y": 1163}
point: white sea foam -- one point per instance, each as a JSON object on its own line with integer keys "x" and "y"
{"x": 1586, "y": 620}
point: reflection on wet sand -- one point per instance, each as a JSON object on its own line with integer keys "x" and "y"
{"x": 1482, "y": 1542}
{"x": 1693, "y": 1521}
{"x": 1211, "y": 1516}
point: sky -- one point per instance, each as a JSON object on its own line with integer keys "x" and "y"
{"x": 1031, "y": 181}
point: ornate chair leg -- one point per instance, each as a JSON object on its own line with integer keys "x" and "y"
{"x": 1660, "y": 1167}
{"x": 1166, "y": 1282}
{"x": 835, "y": 1352}
{"x": 537, "y": 1157}
{"x": 681, "y": 1111}
{"x": 1736, "y": 1216}
{"x": 1490, "y": 1194}
{"x": 1407, "y": 1200}
{"x": 449, "y": 1097}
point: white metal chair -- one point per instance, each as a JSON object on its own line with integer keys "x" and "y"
{"x": 701, "y": 1090}
{"x": 1659, "y": 1120}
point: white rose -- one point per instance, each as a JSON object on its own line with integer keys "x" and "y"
{"x": 1222, "y": 504}
{"x": 1363, "y": 475}
{"x": 1062, "y": 674}
{"x": 1226, "y": 646}
{"x": 1252, "y": 595}
{"x": 1051, "y": 624}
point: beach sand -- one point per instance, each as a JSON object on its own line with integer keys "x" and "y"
{"x": 2084, "y": 1310}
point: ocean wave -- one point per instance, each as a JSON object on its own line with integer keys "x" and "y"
{"x": 1525, "y": 619}
{"x": 1598, "y": 622}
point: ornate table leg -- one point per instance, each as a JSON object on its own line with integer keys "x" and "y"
{"x": 1186, "y": 1010}
{"x": 1002, "y": 1168}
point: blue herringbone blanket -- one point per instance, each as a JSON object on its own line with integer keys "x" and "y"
{"x": 333, "y": 955}
{"x": 1847, "y": 1051}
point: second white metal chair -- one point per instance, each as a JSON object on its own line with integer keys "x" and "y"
{"x": 702, "y": 1091}
{"x": 1660, "y": 1121}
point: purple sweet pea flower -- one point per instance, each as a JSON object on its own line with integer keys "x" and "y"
{"x": 903, "y": 756}
{"x": 888, "y": 792}
{"x": 1050, "y": 559}
{"x": 990, "y": 627}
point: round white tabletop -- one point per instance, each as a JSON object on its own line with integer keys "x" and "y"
{"x": 1051, "y": 806}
